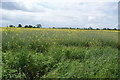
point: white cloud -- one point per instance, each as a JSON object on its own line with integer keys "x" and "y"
{"x": 73, "y": 13}
{"x": 60, "y": 0}
{"x": 91, "y": 18}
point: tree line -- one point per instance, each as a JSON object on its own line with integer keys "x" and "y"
{"x": 40, "y": 26}
{"x": 26, "y": 26}
{"x": 90, "y": 28}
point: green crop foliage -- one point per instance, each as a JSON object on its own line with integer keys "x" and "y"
{"x": 33, "y": 54}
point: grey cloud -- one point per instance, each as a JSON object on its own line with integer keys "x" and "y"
{"x": 20, "y": 6}
{"x": 10, "y": 6}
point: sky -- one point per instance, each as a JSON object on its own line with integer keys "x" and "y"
{"x": 60, "y": 13}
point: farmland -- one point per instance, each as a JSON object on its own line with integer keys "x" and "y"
{"x": 34, "y": 53}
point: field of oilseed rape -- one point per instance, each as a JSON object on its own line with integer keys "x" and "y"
{"x": 32, "y": 53}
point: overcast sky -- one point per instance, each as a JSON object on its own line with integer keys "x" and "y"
{"x": 60, "y": 13}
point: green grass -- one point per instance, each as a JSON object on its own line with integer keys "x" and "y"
{"x": 0, "y": 54}
{"x": 55, "y": 53}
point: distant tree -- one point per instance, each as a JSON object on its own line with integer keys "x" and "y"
{"x": 114, "y": 29}
{"x": 11, "y": 26}
{"x": 53, "y": 27}
{"x": 104, "y": 29}
{"x": 26, "y": 26}
{"x": 90, "y": 28}
{"x": 19, "y": 25}
{"x": 72, "y": 28}
{"x": 30, "y": 26}
{"x": 34, "y": 27}
{"x": 85, "y": 28}
{"x": 108, "y": 29}
{"x": 39, "y": 26}
{"x": 97, "y": 29}
{"x": 64, "y": 28}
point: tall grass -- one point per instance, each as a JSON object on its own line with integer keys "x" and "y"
{"x": 55, "y": 53}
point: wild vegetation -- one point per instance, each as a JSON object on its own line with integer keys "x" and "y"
{"x": 35, "y": 53}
